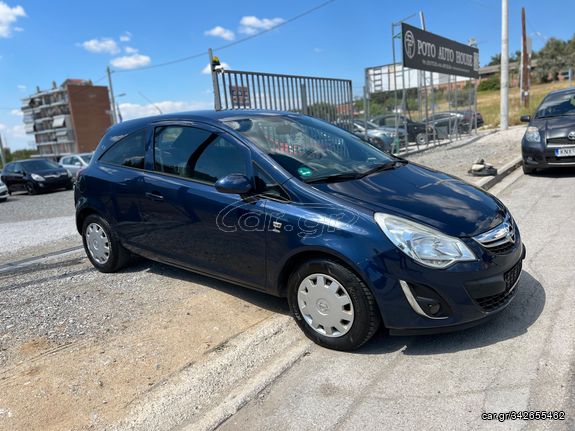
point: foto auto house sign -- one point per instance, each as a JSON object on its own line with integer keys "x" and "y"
{"x": 427, "y": 51}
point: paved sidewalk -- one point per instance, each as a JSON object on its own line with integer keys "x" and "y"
{"x": 456, "y": 159}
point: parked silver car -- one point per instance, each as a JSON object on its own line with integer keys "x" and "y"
{"x": 74, "y": 162}
{"x": 3, "y": 191}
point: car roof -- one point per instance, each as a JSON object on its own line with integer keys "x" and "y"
{"x": 559, "y": 92}
{"x": 208, "y": 115}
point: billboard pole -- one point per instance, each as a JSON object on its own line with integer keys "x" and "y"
{"x": 504, "y": 120}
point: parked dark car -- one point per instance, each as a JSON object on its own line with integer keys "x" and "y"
{"x": 416, "y": 132}
{"x": 298, "y": 208}
{"x": 35, "y": 175}
{"x": 549, "y": 140}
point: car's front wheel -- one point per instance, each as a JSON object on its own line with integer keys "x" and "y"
{"x": 102, "y": 246}
{"x": 31, "y": 188}
{"x": 421, "y": 138}
{"x": 332, "y": 305}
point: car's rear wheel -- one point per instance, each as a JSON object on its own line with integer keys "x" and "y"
{"x": 528, "y": 170}
{"x": 102, "y": 246}
{"x": 332, "y": 305}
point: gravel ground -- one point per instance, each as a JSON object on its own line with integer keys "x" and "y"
{"x": 456, "y": 159}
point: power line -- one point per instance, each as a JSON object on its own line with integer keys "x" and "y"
{"x": 228, "y": 45}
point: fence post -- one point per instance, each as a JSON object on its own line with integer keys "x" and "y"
{"x": 303, "y": 98}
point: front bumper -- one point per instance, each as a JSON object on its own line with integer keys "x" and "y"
{"x": 53, "y": 183}
{"x": 469, "y": 293}
{"x": 540, "y": 156}
{"x": 3, "y": 192}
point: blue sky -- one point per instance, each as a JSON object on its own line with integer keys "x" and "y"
{"x": 42, "y": 41}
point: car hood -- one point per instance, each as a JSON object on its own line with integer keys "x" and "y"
{"x": 555, "y": 127}
{"x": 430, "y": 197}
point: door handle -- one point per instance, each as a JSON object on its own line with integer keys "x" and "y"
{"x": 154, "y": 196}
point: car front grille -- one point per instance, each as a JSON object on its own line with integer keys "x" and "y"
{"x": 564, "y": 140}
{"x": 500, "y": 239}
{"x": 493, "y": 302}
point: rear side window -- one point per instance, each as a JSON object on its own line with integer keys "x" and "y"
{"x": 130, "y": 151}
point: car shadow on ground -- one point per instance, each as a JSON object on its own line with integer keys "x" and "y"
{"x": 254, "y": 297}
{"x": 511, "y": 322}
{"x": 555, "y": 173}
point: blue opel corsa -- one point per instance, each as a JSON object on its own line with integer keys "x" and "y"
{"x": 355, "y": 238}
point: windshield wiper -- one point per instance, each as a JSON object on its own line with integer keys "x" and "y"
{"x": 384, "y": 167}
{"x": 335, "y": 177}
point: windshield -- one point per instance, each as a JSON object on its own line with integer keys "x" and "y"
{"x": 38, "y": 165}
{"x": 308, "y": 148}
{"x": 557, "y": 105}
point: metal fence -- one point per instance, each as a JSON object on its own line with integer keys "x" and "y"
{"x": 329, "y": 99}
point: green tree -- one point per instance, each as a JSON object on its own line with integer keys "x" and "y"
{"x": 555, "y": 57}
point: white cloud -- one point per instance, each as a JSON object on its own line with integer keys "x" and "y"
{"x": 126, "y": 37}
{"x": 16, "y": 112}
{"x": 21, "y": 87}
{"x": 8, "y": 16}
{"x": 132, "y": 61}
{"x": 130, "y": 50}
{"x": 219, "y": 31}
{"x": 104, "y": 45}
{"x": 134, "y": 110}
{"x": 207, "y": 70}
{"x": 18, "y": 131}
{"x": 252, "y": 24}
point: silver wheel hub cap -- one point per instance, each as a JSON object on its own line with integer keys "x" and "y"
{"x": 325, "y": 305}
{"x": 98, "y": 243}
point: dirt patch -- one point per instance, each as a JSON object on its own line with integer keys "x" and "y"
{"x": 90, "y": 381}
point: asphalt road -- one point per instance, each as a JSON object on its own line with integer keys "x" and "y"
{"x": 522, "y": 360}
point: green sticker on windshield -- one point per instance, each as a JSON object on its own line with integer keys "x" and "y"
{"x": 304, "y": 172}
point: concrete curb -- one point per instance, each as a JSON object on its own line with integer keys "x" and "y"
{"x": 488, "y": 182}
{"x": 203, "y": 395}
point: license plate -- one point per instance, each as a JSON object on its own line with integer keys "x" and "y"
{"x": 564, "y": 152}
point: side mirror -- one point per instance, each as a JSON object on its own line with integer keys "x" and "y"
{"x": 77, "y": 164}
{"x": 234, "y": 184}
{"x": 525, "y": 118}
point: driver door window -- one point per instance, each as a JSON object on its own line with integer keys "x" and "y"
{"x": 197, "y": 154}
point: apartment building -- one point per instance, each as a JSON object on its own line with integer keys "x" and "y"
{"x": 70, "y": 118}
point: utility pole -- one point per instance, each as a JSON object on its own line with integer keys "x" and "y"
{"x": 113, "y": 115}
{"x": 524, "y": 63}
{"x": 504, "y": 113}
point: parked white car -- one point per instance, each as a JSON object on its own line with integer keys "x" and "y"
{"x": 3, "y": 192}
{"x": 74, "y": 162}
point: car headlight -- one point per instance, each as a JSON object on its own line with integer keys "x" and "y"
{"x": 37, "y": 177}
{"x": 390, "y": 133}
{"x": 532, "y": 134}
{"x": 423, "y": 244}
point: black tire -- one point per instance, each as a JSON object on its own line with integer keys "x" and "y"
{"x": 70, "y": 186}
{"x": 366, "y": 318}
{"x": 31, "y": 188}
{"x": 118, "y": 256}
{"x": 528, "y": 170}
{"x": 421, "y": 139}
